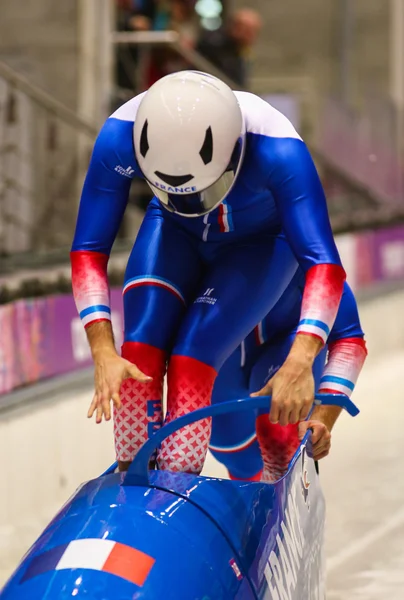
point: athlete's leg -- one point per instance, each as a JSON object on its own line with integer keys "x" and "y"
{"x": 278, "y": 443}
{"x": 234, "y": 441}
{"x": 239, "y": 289}
{"x": 161, "y": 277}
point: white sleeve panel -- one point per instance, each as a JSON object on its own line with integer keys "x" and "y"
{"x": 263, "y": 119}
{"x": 128, "y": 111}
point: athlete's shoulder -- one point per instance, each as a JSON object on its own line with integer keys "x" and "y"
{"x": 117, "y": 131}
{"x": 128, "y": 111}
{"x": 273, "y": 143}
{"x": 263, "y": 119}
{"x": 113, "y": 149}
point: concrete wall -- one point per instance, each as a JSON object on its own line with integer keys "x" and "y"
{"x": 304, "y": 38}
{"x": 62, "y": 47}
{"x": 47, "y": 39}
{"x": 40, "y": 38}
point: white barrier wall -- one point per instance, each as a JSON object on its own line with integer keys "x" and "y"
{"x": 46, "y": 451}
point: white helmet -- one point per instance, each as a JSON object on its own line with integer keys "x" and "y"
{"x": 189, "y": 138}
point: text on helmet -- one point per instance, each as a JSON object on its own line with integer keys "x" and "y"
{"x": 175, "y": 190}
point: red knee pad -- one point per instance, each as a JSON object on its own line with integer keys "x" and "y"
{"x": 278, "y": 444}
{"x": 149, "y": 359}
{"x": 273, "y": 433}
{"x": 140, "y": 414}
{"x": 190, "y": 384}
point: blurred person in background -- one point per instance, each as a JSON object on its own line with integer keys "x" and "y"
{"x": 151, "y": 15}
{"x": 179, "y": 16}
{"x": 155, "y": 15}
{"x": 229, "y": 47}
{"x": 185, "y": 21}
{"x": 136, "y": 15}
{"x": 132, "y": 15}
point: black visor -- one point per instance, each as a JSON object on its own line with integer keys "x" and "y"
{"x": 196, "y": 204}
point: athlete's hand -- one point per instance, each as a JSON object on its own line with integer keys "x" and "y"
{"x": 292, "y": 390}
{"x": 110, "y": 371}
{"x": 292, "y": 387}
{"x": 321, "y": 437}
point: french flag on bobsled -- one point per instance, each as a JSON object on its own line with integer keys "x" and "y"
{"x": 161, "y": 535}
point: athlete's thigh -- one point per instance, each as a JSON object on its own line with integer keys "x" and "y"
{"x": 238, "y": 290}
{"x": 231, "y": 384}
{"x": 233, "y": 441}
{"x": 160, "y": 280}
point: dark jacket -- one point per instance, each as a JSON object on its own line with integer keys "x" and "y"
{"x": 221, "y": 50}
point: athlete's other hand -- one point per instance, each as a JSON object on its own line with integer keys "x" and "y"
{"x": 292, "y": 387}
{"x": 110, "y": 371}
{"x": 321, "y": 437}
{"x": 292, "y": 390}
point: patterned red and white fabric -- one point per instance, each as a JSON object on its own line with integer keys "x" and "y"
{"x": 189, "y": 384}
{"x": 141, "y": 412}
{"x": 277, "y": 444}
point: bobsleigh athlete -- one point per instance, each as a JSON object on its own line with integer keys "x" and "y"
{"x": 248, "y": 444}
{"x": 238, "y": 207}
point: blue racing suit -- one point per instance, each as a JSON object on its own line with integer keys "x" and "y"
{"x": 195, "y": 287}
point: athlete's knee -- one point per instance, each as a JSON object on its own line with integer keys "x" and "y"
{"x": 189, "y": 387}
{"x": 150, "y": 359}
{"x": 190, "y": 384}
{"x": 234, "y": 444}
{"x": 278, "y": 445}
{"x": 140, "y": 414}
{"x": 243, "y": 464}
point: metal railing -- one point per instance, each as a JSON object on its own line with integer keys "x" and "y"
{"x": 44, "y": 150}
{"x": 146, "y": 40}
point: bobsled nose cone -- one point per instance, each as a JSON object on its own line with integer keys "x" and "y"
{"x": 129, "y": 543}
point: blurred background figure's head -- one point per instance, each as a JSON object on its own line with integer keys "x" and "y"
{"x": 184, "y": 20}
{"x": 182, "y": 10}
{"x": 244, "y": 27}
{"x": 229, "y": 48}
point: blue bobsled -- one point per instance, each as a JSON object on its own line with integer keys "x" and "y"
{"x": 161, "y": 535}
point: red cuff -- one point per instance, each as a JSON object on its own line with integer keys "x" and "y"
{"x": 96, "y": 321}
{"x": 352, "y": 340}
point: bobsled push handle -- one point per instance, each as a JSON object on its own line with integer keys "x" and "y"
{"x": 138, "y": 473}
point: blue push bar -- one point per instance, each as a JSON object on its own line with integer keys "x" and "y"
{"x": 138, "y": 472}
